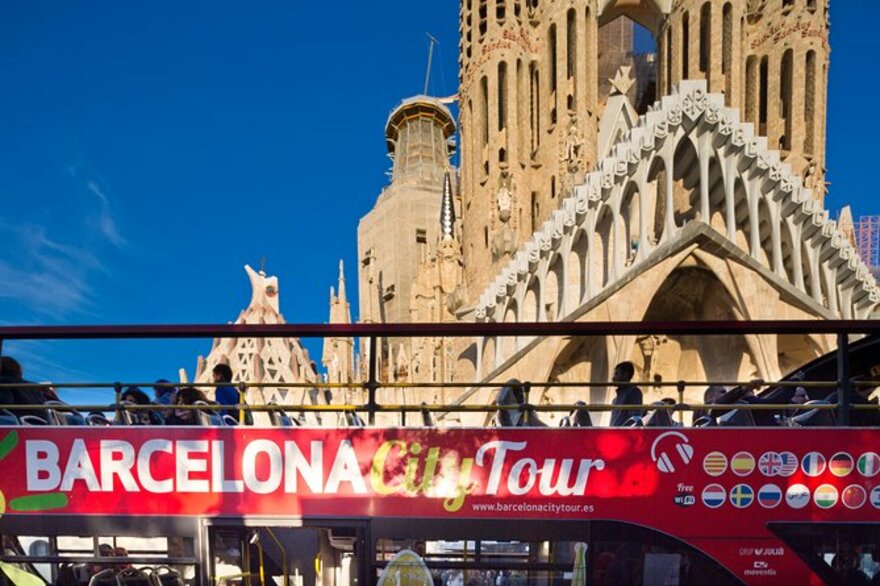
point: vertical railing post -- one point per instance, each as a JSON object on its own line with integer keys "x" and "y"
{"x": 526, "y": 406}
{"x": 372, "y": 383}
{"x": 117, "y": 402}
{"x": 844, "y": 385}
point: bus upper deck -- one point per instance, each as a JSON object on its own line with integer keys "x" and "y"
{"x": 86, "y": 499}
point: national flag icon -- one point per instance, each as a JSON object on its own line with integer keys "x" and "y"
{"x": 769, "y": 496}
{"x": 853, "y": 496}
{"x": 789, "y": 463}
{"x": 742, "y": 463}
{"x": 715, "y": 464}
{"x": 841, "y": 464}
{"x": 869, "y": 464}
{"x": 797, "y": 496}
{"x": 714, "y": 495}
{"x": 741, "y": 496}
{"x": 875, "y": 497}
{"x": 825, "y": 496}
{"x": 769, "y": 464}
{"x": 813, "y": 464}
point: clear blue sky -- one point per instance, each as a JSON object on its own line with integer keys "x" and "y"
{"x": 149, "y": 150}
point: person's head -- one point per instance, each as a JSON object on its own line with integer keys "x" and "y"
{"x": 222, "y": 373}
{"x": 189, "y": 396}
{"x": 9, "y": 366}
{"x": 163, "y": 387}
{"x": 800, "y": 396}
{"x": 136, "y": 396}
{"x": 713, "y": 393}
{"x": 624, "y": 372}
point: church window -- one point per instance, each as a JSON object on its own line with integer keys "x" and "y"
{"x": 484, "y": 112}
{"x": 482, "y": 17}
{"x": 810, "y": 103}
{"x": 517, "y": 11}
{"x": 669, "y": 61}
{"x": 535, "y": 211}
{"x": 751, "y": 86}
{"x": 685, "y": 41}
{"x": 785, "y": 98}
{"x": 502, "y": 95}
{"x": 500, "y": 11}
{"x": 571, "y": 52}
{"x": 535, "y": 107}
{"x": 388, "y": 294}
{"x": 811, "y": 5}
{"x": 421, "y": 236}
{"x": 552, "y": 187}
{"x": 551, "y": 57}
{"x": 762, "y": 97}
{"x": 365, "y": 262}
{"x": 486, "y": 236}
{"x": 727, "y": 41}
{"x": 705, "y": 37}
{"x": 787, "y": 5}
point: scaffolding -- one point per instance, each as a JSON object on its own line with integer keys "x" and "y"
{"x": 867, "y": 236}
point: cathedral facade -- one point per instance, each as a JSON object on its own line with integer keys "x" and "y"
{"x": 598, "y": 183}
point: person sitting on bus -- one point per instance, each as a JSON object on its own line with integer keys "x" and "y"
{"x": 860, "y": 395}
{"x": 187, "y": 396}
{"x": 225, "y": 394}
{"x": 799, "y": 397}
{"x": 710, "y": 396}
{"x": 746, "y": 394}
{"x": 10, "y": 374}
{"x": 164, "y": 392}
{"x": 135, "y": 396}
{"x": 626, "y": 394}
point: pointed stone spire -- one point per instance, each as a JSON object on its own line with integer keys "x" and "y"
{"x": 338, "y": 353}
{"x": 447, "y": 210}
{"x": 341, "y": 288}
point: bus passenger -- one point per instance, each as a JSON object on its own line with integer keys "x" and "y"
{"x": 135, "y": 396}
{"x": 187, "y": 396}
{"x": 225, "y": 394}
{"x": 626, "y": 394}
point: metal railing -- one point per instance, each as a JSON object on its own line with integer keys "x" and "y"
{"x": 373, "y": 334}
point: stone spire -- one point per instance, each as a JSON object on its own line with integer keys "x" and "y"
{"x": 337, "y": 355}
{"x": 260, "y": 360}
{"x": 447, "y": 210}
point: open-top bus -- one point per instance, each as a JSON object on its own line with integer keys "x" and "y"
{"x": 496, "y": 506}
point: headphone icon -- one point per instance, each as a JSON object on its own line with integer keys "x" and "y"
{"x": 664, "y": 462}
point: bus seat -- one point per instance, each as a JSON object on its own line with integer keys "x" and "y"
{"x": 353, "y": 420}
{"x": 32, "y": 420}
{"x": 7, "y": 418}
{"x": 634, "y": 421}
{"x": 815, "y": 417}
{"x": 228, "y": 420}
{"x": 659, "y": 417}
{"x": 165, "y": 576}
{"x": 208, "y": 418}
{"x": 104, "y": 578}
{"x": 737, "y": 418}
{"x": 133, "y": 577}
{"x": 704, "y": 421}
{"x": 427, "y": 420}
{"x": 97, "y": 419}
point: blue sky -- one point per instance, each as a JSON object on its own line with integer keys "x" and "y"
{"x": 152, "y": 149}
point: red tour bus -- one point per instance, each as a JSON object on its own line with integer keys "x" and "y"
{"x": 492, "y": 506}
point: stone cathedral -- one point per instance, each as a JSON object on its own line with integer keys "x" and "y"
{"x": 597, "y": 183}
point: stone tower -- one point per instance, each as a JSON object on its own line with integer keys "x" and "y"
{"x": 261, "y": 360}
{"x": 338, "y": 352}
{"x": 533, "y": 89}
{"x": 394, "y": 237}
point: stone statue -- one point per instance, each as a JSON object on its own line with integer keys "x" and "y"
{"x": 504, "y": 198}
